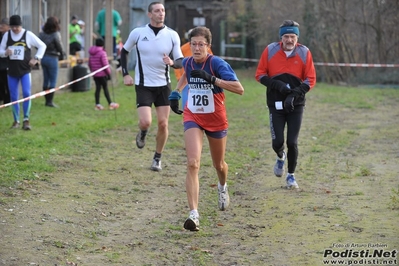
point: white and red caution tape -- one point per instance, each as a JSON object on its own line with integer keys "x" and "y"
{"x": 318, "y": 63}
{"x": 42, "y": 93}
{"x": 356, "y": 65}
{"x": 239, "y": 59}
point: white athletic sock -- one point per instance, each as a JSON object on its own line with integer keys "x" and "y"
{"x": 194, "y": 213}
{"x": 223, "y": 188}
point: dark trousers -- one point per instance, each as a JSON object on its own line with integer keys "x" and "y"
{"x": 113, "y": 45}
{"x": 4, "y": 90}
{"x": 74, "y": 47}
{"x": 101, "y": 82}
{"x": 278, "y": 119}
{"x": 50, "y": 74}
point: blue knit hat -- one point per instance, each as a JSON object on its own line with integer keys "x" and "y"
{"x": 289, "y": 27}
{"x": 289, "y": 30}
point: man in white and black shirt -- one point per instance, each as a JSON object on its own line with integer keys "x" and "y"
{"x": 154, "y": 43}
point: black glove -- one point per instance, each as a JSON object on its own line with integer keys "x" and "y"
{"x": 199, "y": 73}
{"x": 108, "y": 77}
{"x": 174, "y": 105}
{"x": 281, "y": 87}
{"x": 174, "y": 98}
{"x": 289, "y": 103}
{"x": 275, "y": 84}
{"x": 300, "y": 90}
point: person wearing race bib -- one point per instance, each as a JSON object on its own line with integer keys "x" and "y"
{"x": 186, "y": 50}
{"x": 286, "y": 68}
{"x": 207, "y": 77}
{"x": 154, "y": 43}
{"x": 16, "y": 45}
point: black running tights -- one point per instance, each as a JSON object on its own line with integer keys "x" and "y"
{"x": 278, "y": 119}
{"x": 101, "y": 82}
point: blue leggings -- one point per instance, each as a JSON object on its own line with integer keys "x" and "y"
{"x": 13, "y": 84}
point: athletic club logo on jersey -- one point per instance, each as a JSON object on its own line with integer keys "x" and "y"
{"x": 20, "y": 43}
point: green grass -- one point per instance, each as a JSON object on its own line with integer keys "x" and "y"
{"x": 344, "y": 155}
{"x": 75, "y": 127}
{"x": 354, "y": 97}
{"x": 67, "y": 130}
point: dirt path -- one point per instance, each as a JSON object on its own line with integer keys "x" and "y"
{"x": 105, "y": 207}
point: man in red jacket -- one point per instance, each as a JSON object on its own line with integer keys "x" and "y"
{"x": 286, "y": 68}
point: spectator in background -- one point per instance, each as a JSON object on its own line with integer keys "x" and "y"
{"x": 4, "y": 91}
{"x": 81, "y": 38}
{"x": 100, "y": 25}
{"x": 16, "y": 45}
{"x": 74, "y": 36}
{"x": 52, "y": 38}
{"x": 186, "y": 50}
{"x": 119, "y": 46}
{"x": 286, "y": 68}
{"x": 98, "y": 59}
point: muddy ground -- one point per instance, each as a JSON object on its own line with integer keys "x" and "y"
{"x": 104, "y": 206}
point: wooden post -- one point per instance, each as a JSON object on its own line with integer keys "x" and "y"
{"x": 36, "y": 16}
{"x": 109, "y": 47}
{"x": 4, "y": 9}
{"x": 65, "y": 20}
{"x": 89, "y": 29}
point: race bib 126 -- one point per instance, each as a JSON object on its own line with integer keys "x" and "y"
{"x": 201, "y": 101}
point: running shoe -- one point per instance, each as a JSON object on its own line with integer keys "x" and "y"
{"x": 279, "y": 166}
{"x": 156, "y": 165}
{"x": 99, "y": 107}
{"x": 140, "y": 140}
{"x": 291, "y": 182}
{"x": 15, "y": 124}
{"x": 26, "y": 125}
{"x": 113, "y": 106}
{"x": 224, "y": 199}
{"x": 191, "y": 223}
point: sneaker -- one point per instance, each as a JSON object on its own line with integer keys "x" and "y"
{"x": 15, "y": 124}
{"x": 51, "y": 104}
{"x": 279, "y": 166}
{"x": 156, "y": 165}
{"x": 291, "y": 182}
{"x": 113, "y": 106}
{"x": 192, "y": 223}
{"x": 26, "y": 125}
{"x": 140, "y": 140}
{"x": 99, "y": 107}
{"x": 224, "y": 199}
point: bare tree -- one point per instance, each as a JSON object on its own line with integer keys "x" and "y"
{"x": 337, "y": 31}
